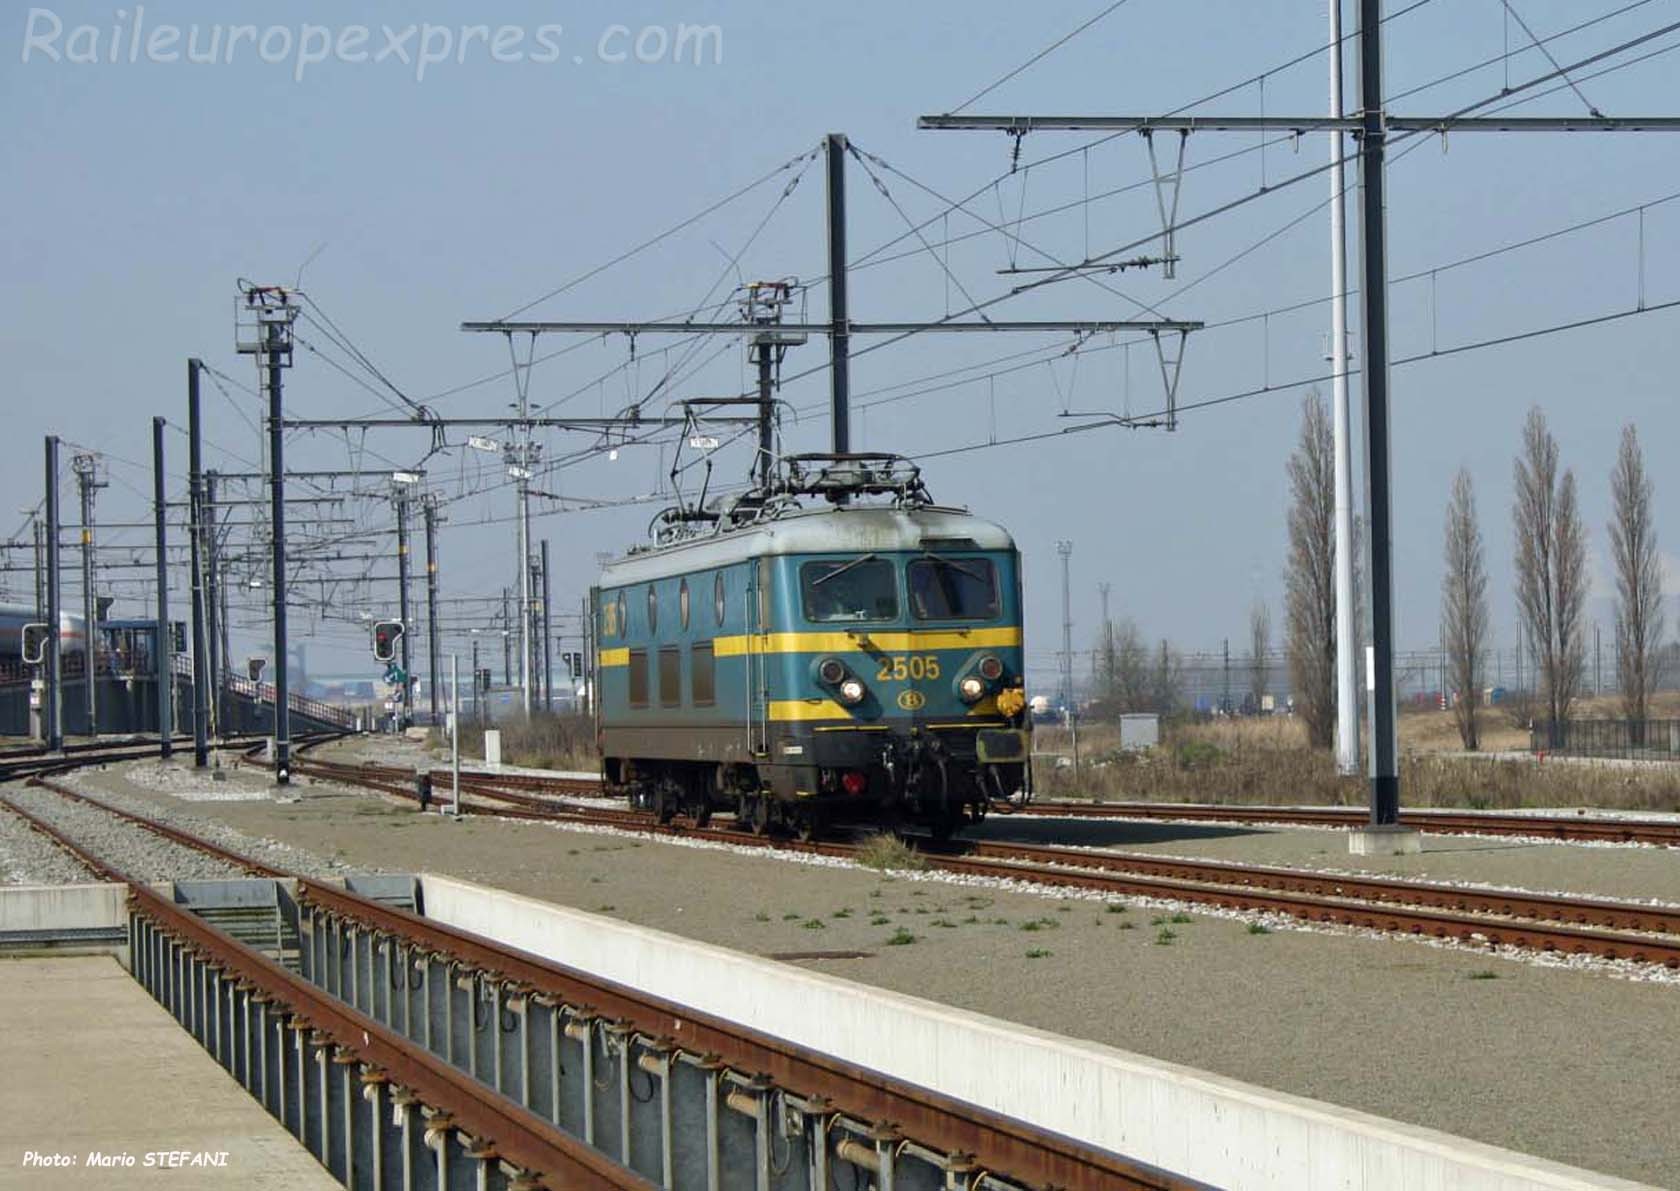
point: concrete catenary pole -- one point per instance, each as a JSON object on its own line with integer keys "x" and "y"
{"x": 54, "y": 704}
{"x": 429, "y": 509}
{"x": 547, "y": 656}
{"x": 87, "y": 481}
{"x": 1347, "y": 630}
{"x": 161, "y": 654}
{"x": 405, "y": 712}
{"x": 195, "y": 539}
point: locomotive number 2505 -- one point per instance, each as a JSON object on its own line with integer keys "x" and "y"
{"x": 898, "y": 668}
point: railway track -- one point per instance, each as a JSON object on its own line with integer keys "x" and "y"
{"x": 1541, "y": 922}
{"x": 957, "y": 1135}
{"x": 1578, "y": 828}
{"x": 1582, "y": 828}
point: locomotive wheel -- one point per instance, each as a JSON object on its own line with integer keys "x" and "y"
{"x": 664, "y": 802}
{"x": 811, "y": 824}
{"x": 702, "y": 812}
{"x": 755, "y": 813}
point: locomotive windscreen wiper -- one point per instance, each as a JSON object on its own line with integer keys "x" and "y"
{"x": 842, "y": 569}
{"x": 979, "y": 576}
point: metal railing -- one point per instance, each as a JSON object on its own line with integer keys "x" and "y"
{"x": 1628, "y": 740}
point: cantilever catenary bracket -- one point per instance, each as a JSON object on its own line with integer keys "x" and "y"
{"x": 1166, "y": 198}
{"x": 1171, "y": 360}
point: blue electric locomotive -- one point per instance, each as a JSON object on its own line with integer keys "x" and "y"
{"x": 857, "y": 660}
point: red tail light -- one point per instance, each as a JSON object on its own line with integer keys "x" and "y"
{"x": 854, "y": 782}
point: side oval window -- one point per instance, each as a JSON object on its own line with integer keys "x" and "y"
{"x": 682, "y": 603}
{"x": 653, "y": 609}
{"x": 623, "y": 616}
{"x": 718, "y": 597}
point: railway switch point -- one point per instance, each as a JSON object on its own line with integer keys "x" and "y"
{"x": 1385, "y": 840}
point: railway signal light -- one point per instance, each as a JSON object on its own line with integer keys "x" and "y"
{"x": 34, "y": 643}
{"x": 386, "y": 635}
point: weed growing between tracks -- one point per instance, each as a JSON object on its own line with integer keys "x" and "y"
{"x": 885, "y": 852}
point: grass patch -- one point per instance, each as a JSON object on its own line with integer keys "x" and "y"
{"x": 605, "y": 909}
{"x": 790, "y": 916}
{"x": 1484, "y": 974}
{"x": 900, "y": 938}
{"x": 945, "y": 922}
{"x": 1252, "y": 760}
{"x": 1256, "y": 928}
{"x": 761, "y": 916}
{"x": 1040, "y": 924}
{"x": 1181, "y": 918}
{"x": 541, "y": 741}
{"x": 879, "y": 920}
{"x": 885, "y": 853}
{"x": 843, "y": 912}
{"x": 814, "y": 924}
{"x": 1125, "y": 924}
{"x": 1165, "y": 937}
{"x": 1116, "y": 908}
{"x": 1038, "y": 952}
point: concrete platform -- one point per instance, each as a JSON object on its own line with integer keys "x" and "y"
{"x": 92, "y": 1064}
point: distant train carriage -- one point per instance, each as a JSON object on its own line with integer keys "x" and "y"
{"x": 861, "y": 661}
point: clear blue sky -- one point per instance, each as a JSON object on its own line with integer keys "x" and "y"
{"x": 137, "y": 192}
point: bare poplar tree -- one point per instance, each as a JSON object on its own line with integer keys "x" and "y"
{"x": 1309, "y": 581}
{"x": 1259, "y": 646}
{"x": 1464, "y": 607}
{"x": 1551, "y": 555}
{"x": 1639, "y": 610}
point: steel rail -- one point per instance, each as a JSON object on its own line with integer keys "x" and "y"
{"x": 511, "y": 1131}
{"x": 176, "y": 835}
{"x": 1619, "y": 915}
{"x": 1575, "y": 828}
{"x": 66, "y": 844}
{"x": 1444, "y": 822}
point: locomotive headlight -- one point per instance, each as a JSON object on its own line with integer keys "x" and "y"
{"x": 832, "y": 671}
{"x": 851, "y": 692}
{"x": 990, "y": 668}
{"x": 970, "y": 689}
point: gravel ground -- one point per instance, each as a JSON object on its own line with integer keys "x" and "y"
{"x": 127, "y": 848}
{"x": 135, "y": 788}
{"x": 1466, "y": 1041}
{"x": 29, "y": 858}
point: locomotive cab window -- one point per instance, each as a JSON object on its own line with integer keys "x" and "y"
{"x": 952, "y": 588}
{"x": 849, "y": 589}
